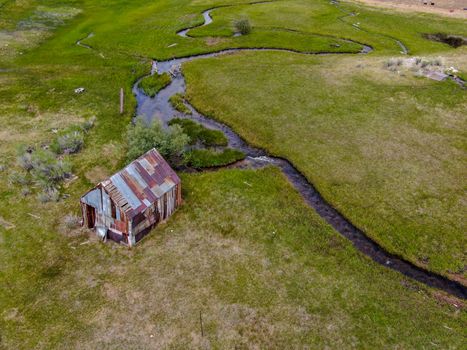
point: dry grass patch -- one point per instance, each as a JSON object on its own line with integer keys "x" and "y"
{"x": 213, "y": 41}
{"x": 97, "y": 174}
{"x": 6, "y": 225}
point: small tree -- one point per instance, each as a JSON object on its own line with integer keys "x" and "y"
{"x": 243, "y": 26}
{"x": 170, "y": 142}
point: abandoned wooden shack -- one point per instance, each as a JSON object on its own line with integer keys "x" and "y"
{"x": 126, "y": 206}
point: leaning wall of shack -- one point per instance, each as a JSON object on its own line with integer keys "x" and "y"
{"x": 160, "y": 210}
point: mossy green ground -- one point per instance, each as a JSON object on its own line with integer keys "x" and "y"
{"x": 206, "y": 158}
{"x": 199, "y": 133}
{"x": 244, "y": 250}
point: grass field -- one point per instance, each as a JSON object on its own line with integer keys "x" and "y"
{"x": 379, "y": 146}
{"x": 244, "y": 250}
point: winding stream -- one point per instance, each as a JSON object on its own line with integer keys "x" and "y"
{"x": 160, "y": 107}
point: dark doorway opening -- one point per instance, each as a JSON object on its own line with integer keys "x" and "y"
{"x": 91, "y": 216}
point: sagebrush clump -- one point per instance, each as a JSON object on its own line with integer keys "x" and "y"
{"x": 71, "y": 140}
{"x": 49, "y": 195}
{"x": 42, "y": 169}
{"x": 70, "y": 143}
{"x": 71, "y": 221}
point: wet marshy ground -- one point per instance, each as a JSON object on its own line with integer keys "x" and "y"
{"x": 452, "y": 40}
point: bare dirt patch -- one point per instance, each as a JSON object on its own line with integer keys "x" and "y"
{"x": 97, "y": 174}
{"x": 452, "y": 8}
{"x": 6, "y": 225}
{"x": 214, "y": 41}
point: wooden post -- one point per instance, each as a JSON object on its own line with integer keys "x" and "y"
{"x": 121, "y": 100}
{"x": 201, "y": 323}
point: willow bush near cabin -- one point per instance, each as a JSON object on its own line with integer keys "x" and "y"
{"x": 171, "y": 142}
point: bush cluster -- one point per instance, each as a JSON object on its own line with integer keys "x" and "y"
{"x": 170, "y": 142}
{"x": 173, "y": 143}
{"x": 71, "y": 221}
{"x": 71, "y": 140}
{"x": 42, "y": 168}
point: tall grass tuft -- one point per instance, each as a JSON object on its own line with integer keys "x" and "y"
{"x": 242, "y": 26}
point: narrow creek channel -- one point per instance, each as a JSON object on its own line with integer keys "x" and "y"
{"x": 160, "y": 107}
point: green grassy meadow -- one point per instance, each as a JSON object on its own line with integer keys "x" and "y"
{"x": 379, "y": 146}
{"x": 262, "y": 268}
{"x": 244, "y": 250}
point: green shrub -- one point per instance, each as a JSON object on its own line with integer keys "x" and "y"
{"x": 71, "y": 221}
{"x": 24, "y": 160}
{"x": 152, "y": 84}
{"x": 25, "y": 191}
{"x": 242, "y": 26}
{"x": 170, "y": 142}
{"x": 199, "y": 133}
{"x": 177, "y": 102}
{"x": 71, "y": 140}
{"x": 203, "y": 158}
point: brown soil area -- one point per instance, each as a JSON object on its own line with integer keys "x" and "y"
{"x": 452, "y": 8}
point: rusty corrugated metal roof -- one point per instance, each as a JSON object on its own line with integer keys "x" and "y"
{"x": 141, "y": 183}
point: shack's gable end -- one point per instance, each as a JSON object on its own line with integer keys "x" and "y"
{"x": 93, "y": 198}
{"x": 107, "y": 212}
